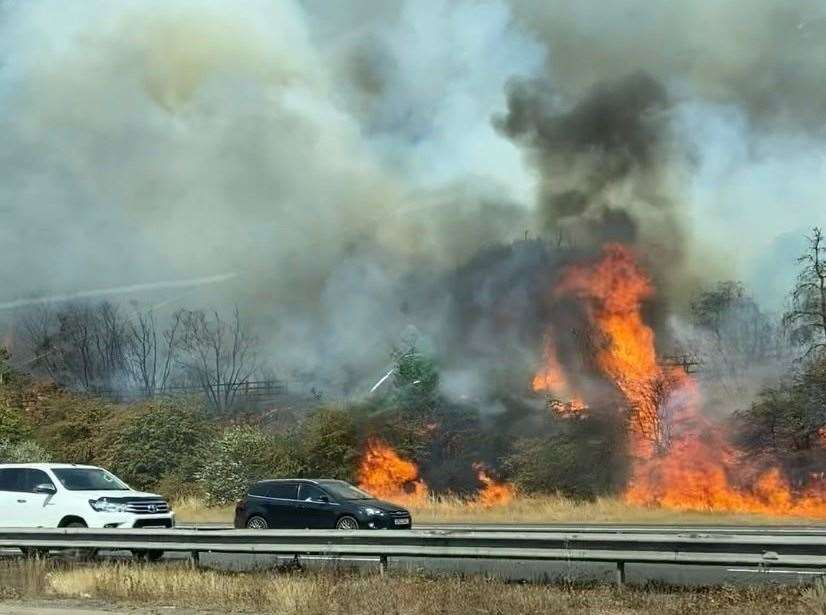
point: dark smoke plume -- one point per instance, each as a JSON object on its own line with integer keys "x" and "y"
{"x": 604, "y": 163}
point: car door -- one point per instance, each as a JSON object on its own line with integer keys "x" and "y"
{"x": 316, "y": 513}
{"x": 281, "y": 505}
{"x": 9, "y": 508}
{"x": 38, "y": 508}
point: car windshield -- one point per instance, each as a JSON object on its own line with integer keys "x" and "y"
{"x": 345, "y": 491}
{"x": 89, "y": 479}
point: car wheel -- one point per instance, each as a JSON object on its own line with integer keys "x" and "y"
{"x": 147, "y": 555}
{"x": 79, "y": 555}
{"x": 347, "y": 523}
{"x": 257, "y": 523}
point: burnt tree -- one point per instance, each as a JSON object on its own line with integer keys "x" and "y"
{"x": 806, "y": 318}
{"x": 151, "y": 354}
{"x": 218, "y": 355}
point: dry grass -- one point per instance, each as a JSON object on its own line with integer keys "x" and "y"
{"x": 194, "y": 510}
{"x": 558, "y": 509}
{"x": 814, "y": 599}
{"x": 546, "y": 509}
{"x": 25, "y": 578}
{"x": 344, "y": 593}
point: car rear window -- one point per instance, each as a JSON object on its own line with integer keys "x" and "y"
{"x": 260, "y": 489}
{"x": 12, "y": 479}
{"x": 284, "y": 491}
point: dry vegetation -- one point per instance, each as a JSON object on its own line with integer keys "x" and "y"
{"x": 337, "y": 592}
{"x": 545, "y": 509}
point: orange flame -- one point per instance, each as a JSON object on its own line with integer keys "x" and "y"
{"x": 493, "y": 493}
{"x": 613, "y": 291}
{"x": 681, "y": 461}
{"x": 385, "y": 474}
{"x": 551, "y": 379}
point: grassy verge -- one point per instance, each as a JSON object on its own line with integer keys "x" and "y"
{"x": 546, "y": 509}
{"x": 343, "y": 593}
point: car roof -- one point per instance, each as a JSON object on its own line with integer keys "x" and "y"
{"x": 46, "y": 466}
{"x": 288, "y": 480}
{"x": 312, "y": 481}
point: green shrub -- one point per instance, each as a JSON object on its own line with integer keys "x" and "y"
{"x": 24, "y": 451}
{"x": 584, "y": 458}
{"x": 76, "y": 428}
{"x": 159, "y": 441}
{"x": 13, "y": 425}
{"x": 241, "y": 456}
{"x": 416, "y": 381}
{"x": 330, "y": 444}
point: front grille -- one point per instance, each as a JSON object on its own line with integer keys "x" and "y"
{"x": 149, "y": 507}
{"x": 399, "y": 513}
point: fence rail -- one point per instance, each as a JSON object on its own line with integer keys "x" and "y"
{"x": 250, "y": 390}
{"x": 802, "y": 551}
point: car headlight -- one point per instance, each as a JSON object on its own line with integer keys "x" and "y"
{"x": 103, "y": 505}
{"x": 371, "y": 511}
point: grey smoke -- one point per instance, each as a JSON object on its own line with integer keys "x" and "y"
{"x": 342, "y": 155}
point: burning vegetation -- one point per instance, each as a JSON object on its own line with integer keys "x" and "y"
{"x": 385, "y": 474}
{"x": 533, "y": 366}
{"x": 493, "y": 492}
{"x": 679, "y": 458}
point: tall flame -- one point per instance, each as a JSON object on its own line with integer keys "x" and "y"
{"x": 385, "y": 474}
{"x": 680, "y": 460}
{"x": 613, "y": 291}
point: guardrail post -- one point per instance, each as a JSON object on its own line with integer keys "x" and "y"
{"x": 620, "y": 574}
{"x": 195, "y": 559}
{"x": 382, "y": 565}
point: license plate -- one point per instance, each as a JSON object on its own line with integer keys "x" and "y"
{"x": 401, "y": 521}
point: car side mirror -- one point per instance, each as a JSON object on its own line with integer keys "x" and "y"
{"x": 45, "y": 488}
{"x": 324, "y": 499}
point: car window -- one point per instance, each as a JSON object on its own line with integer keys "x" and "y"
{"x": 260, "y": 489}
{"x": 12, "y": 479}
{"x": 345, "y": 491}
{"x": 284, "y": 491}
{"x": 310, "y": 492}
{"x": 33, "y": 478}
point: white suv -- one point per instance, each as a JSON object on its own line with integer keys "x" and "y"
{"x": 68, "y": 495}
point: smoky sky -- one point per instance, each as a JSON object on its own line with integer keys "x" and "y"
{"x": 334, "y": 155}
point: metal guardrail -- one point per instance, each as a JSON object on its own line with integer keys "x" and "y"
{"x": 805, "y": 551}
